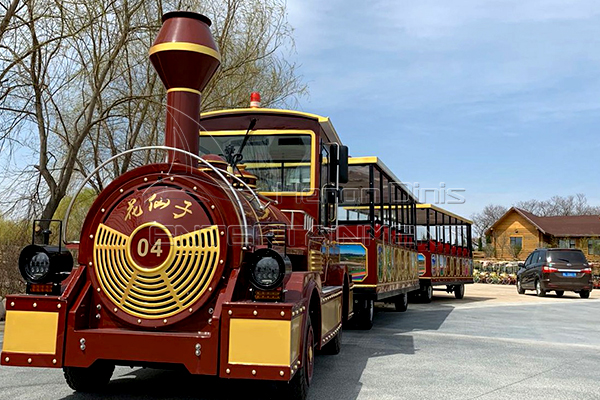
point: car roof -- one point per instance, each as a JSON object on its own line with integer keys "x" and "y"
{"x": 556, "y": 249}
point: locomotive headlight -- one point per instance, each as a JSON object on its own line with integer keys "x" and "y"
{"x": 43, "y": 264}
{"x": 268, "y": 269}
{"x": 37, "y": 268}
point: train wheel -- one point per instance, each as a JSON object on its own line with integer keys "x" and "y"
{"x": 334, "y": 346}
{"x": 459, "y": 291}
{"x": 364, "y": 317}
{"x": 427, "y": 293}
{"x": 297, "y": 388}
{"x": 401, "y": 302}
{"x": 91, "y": 379}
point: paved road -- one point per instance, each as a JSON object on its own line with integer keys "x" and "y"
{"x": 493, "y": 344}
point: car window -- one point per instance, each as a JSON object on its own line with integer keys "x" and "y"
{"x": 528, "y": 260}
{"x": 540, "y": 258}
{"x": 534, "y": 257}
{"x": 568, "y": 256}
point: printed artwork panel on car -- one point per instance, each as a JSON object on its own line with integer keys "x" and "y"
{"x": 354, "y": 256}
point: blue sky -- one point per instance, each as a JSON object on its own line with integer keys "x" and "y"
{"x": 501, "y": 98}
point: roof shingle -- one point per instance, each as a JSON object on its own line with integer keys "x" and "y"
{"x": 565, "y": 226}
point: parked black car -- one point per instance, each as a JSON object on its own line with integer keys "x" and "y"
{"x": 555, "y": 270}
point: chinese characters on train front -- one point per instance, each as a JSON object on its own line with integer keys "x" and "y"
{"x": 154, "y": 203}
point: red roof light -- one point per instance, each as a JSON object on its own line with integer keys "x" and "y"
{"x": 255, "y": 100}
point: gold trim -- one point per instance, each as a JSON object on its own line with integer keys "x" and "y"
{"x": 324, "y": 122}
{"x": 319, "y": 118}
{"x": 185, "y": 46}
{"x": 362, "y": 160}
{"x": 331, "y": 314}
{"x": 184, "y": 89}
{"x": 266, "y": 132}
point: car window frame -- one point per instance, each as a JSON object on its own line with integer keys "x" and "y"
{"x": 528, "y": 259}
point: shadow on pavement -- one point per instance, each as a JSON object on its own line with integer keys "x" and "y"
{"x": 163, "y": 384}
{"x": 339, "y": 377}
{"x": 335, "y": 377}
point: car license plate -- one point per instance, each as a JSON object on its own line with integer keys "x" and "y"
{"x": 569, "y": 274}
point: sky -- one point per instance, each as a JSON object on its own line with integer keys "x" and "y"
{"x": 499, "y": 98}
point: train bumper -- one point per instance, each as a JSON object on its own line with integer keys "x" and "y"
{"x": 261, "y": 340}
{"x": 34, "y": 331}
{"x": 257, "y": 341}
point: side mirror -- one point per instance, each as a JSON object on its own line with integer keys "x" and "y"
{"x": 521, "y": 265}
{"x": 338, "y": 156}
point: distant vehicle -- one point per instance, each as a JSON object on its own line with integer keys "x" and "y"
{"x": 555, "y": 270}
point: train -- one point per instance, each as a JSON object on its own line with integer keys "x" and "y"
{"x": 241, "y": 256}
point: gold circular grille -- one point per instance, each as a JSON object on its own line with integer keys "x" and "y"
{"x": 162, "y": 292}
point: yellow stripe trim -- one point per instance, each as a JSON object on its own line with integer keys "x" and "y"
{"x": 184, "y": 89}
{"x": 362, "y": 160}
{"x": 185, "y": 46}
{"x": 319, "y": 118}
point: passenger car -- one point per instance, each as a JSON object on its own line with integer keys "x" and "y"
{"x": 555, "y": 270}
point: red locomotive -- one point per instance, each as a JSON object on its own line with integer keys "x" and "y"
{"x": 183, "y": 262}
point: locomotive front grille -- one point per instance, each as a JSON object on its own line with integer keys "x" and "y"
{"x": 165, "y": 289}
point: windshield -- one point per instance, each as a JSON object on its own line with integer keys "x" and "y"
{"x": 568, "y": 256}
{"x": 282, "y": 163}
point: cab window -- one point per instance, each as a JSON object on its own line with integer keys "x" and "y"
{"x": 281, "y": 162}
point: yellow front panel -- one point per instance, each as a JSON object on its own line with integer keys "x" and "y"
{"x": 31, "y": 332}
{"x": 332, "y": 314}
{"x": 260, "y": 342}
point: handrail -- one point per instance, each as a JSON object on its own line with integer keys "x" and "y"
{"x": 166, "y": 148}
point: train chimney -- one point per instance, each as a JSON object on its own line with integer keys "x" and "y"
{"x": 185, "y": 57}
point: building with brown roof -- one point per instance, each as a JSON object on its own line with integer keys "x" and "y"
{"x": 518, "y": 232}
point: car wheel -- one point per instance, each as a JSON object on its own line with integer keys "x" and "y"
{"x": 585, "y": 294}
{"x": 364, "y": 317}
{"x": 559, "y": 293}
{"x": 427, "y": 293}
{"x": 520, "y": 289}
{"x": 90, "y": 379}
{"x": 538, "y": 289}
{"x": 297, "y": 388}
{"x": 459, "y": 291}
{"x": 401, "y": 302}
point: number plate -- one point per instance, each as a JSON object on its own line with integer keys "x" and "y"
{"x": 569, "y": 274}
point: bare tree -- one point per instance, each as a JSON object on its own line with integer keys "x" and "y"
{"x": 486, "y": 218}
{"x": 560, "y": 206}
{"x": 80, "y": 87}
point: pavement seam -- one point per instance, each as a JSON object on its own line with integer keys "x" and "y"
{"x": 502, "y": 339}
{"x": 522, "y": 380}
